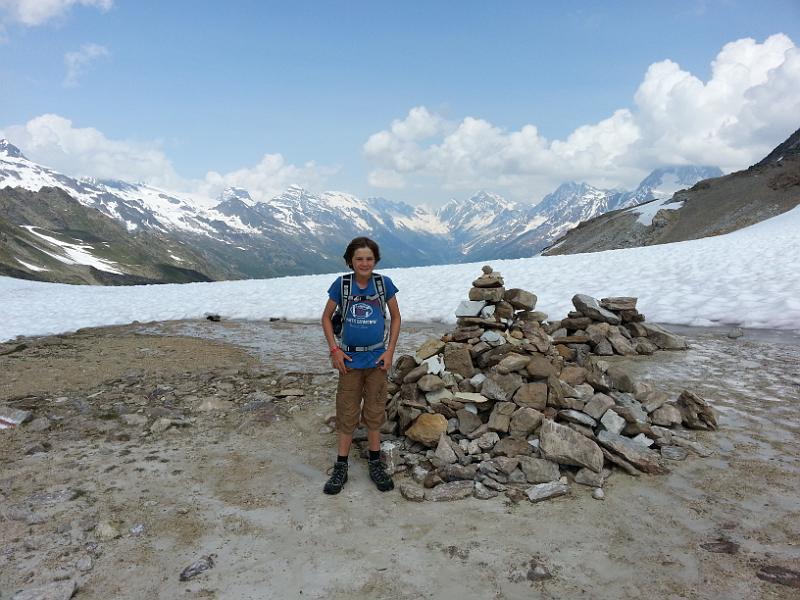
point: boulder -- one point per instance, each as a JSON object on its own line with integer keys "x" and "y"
{"x": 667, "y": 415}
{"x": 427, "y": 429}
{"x": 467, "y": 421}
{"x": 598, "y": 405}
{"x": 540, "y": 367}
{"x": 638, "y": 455}
{"x": 619, "y": 303}
{"x": 591, "y": 308}
{"x": 664, "y": 339}
{"x": 500, "y": 418}
{"x": 539, "y": 470}
{"x": 431, "y": 347}
{"x": 532, "y": 395}
{"x": 430, "y": 383}
{"x": 513, "y": 362}
{"x": 524, "y": 421}
{"x": 470, "y": 308}
{"x": 511, "y": 447}
{"x": 501, "y": 387}
{"x": 696, "y": 413}
{"x": 458, "y": 359}
{"x": 487, "y": 294}
{"x": 546, "y": 491}
{"x": 520, "y": 299}
{"x": 446, "y": 492}
{"x": 567, "y": 447}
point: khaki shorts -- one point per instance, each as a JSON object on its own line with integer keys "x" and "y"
{"x": 355, "y": 386}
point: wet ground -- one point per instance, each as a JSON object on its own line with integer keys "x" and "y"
{"x": 247, "y": 486}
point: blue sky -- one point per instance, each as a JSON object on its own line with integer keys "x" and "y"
{"x": 415, "y": 101}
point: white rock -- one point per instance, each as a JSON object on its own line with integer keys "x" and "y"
{"x": 470, "y": 308}
{"x": 435, "y": 365}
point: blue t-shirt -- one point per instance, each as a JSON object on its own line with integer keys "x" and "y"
{"x": 364, "y": 321}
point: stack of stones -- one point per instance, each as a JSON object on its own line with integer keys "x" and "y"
{"x": 501, "y": 406}
{"x": 607, "y": 327}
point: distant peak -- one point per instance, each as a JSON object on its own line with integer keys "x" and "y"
{"x": 235, "y": 193}
{"x": 9, "y": 149}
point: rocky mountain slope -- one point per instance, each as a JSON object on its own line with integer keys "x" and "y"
{"x": 710, "y": 207}
{"x": 297, "y": 232}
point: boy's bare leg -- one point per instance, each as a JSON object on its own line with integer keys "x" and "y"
{"x": 345, "y": 440}
{"x": 374, "y": 439}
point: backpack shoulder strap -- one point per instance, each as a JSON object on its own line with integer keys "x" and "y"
{"x": 381, "y": 289}
{"x": 346, "y": 289}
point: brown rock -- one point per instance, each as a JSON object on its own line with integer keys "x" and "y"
{"x": 503, "y": 310}
{"x": 540, "y": 367}
{"x": 427, "y": 429}
{"x": 520, "y": 299}
{"x": 457, "y": 359}
{"x": 696, "y": 413}
{"x": 532, "y": 395}
{"x": 575, "y": 324}
{"x": 500, "y": 418}
{"x": 619, "y": 303}
{"x": 511, "y": 447}
{"x": 467, "y": 422}
{"x": 573, "y": 375}
{"x": 492, "y": 294}
{"x": 431, "y": 347}
{"x": 524, "y": 421}
{"x": 513, "y": 362}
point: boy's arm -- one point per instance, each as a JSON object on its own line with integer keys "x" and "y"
{"x": 385, "y": 360}
{"x": 338, "y": 357}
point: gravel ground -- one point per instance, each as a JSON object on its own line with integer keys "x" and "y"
{"x": 93, "y": 493}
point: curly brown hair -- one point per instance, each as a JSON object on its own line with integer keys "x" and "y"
{"x": 361, "y": 242}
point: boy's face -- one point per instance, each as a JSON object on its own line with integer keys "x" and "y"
{"x": 363, "y": 262}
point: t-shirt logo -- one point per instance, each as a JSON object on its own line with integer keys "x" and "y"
{"x": 361, "y": 310}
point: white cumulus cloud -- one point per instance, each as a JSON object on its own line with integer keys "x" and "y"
{"x": 55, "y": 142}
{"x": 749, "y": 104}
{"x": 78, "y": 62}
{"x": 37, "y": 12}
{"x": 270, "y": 177}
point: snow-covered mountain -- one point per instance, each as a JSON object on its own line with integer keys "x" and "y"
{"x": 663, "y": 182}
{"x": 712, "y": 206}
{"x": 300, "y": 232}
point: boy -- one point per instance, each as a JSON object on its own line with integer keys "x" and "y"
{"x": 363, "y": 359}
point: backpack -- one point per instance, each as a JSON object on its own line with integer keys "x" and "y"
{"x": 337, "y": 318}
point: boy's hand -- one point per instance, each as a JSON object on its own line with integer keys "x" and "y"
{"x": 338, "y": 359}
{"x": 384, "y": 362}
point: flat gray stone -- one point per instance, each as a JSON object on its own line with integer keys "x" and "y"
{"x": 638, "y": 455}
{"x": 664, "y": 339}
{"x": 567, "y": 447}
{"x": 591, "y": 308}
{"x": 574, "y": 416}
{"x": 470, "y": 308}
{"x": 598, "y": 405}
{"x": 546, "y": 491}
{"x": 612, "y": 422}
{"x": 539, "y": 470}
{"x": 674, "y": 452}
{"x": 446, "y": 492}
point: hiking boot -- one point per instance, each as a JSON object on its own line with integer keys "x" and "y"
{"x": 338, "y": 478}
{"x": 378, "y": 474}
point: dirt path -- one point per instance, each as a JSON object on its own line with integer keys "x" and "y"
{"x": 244, "y": 482}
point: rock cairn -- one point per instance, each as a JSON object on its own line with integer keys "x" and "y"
{"x": 510, "y": 403}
